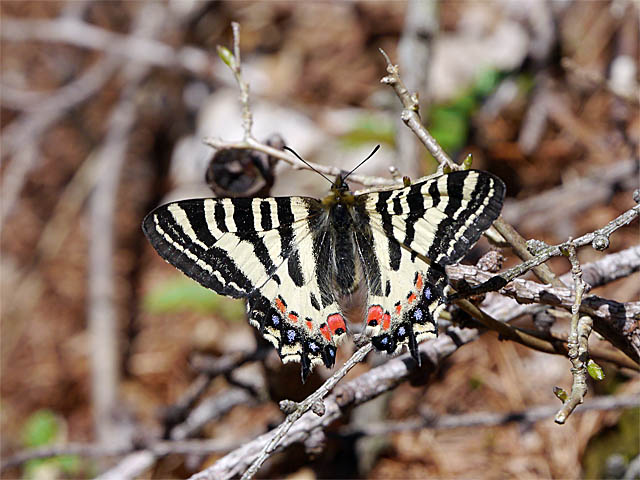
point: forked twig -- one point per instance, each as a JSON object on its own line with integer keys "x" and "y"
{"x": 578, "y": 341}
{"x": 313, "y": 401}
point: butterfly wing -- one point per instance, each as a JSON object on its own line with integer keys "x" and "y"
{"x": 253, "y": 249}
{"x": 412, "y": 233}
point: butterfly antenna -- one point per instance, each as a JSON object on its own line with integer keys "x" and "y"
{"x": 358, "y": 166}
{"x": 307, "y": 164}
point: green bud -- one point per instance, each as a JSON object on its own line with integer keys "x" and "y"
{"x": 467, "y": 162}
{"x": 227, "y": 57}
{"x": 406, "y": 181}
{"x": 595, "y": 370}
{"x": 560, "y": 393}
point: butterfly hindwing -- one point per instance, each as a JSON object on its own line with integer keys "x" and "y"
{"x": 261, "y": 250}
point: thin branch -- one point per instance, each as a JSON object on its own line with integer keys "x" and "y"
{"x": 252, "y": 144}
{"x": 519, "y": 246}
{"x": 101, "y": 310}
{"x": 355, "y": 392}
{"x": 140, "y": 50}
{"x": 614, "y": 320}
{"x": 247, "y": 118}
{"x": 486, "y": 419}
{"x": 411, "y": 117}
{"x": 301, "y": 408}
{"x": 578, "y": 342}
{"x": 599, "y": 239}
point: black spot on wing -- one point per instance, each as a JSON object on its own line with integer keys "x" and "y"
{"x": 314, "y": 301}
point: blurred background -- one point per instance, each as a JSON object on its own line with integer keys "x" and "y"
{"x": 104, "y": 108}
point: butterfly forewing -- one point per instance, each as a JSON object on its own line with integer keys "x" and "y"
{"x": 261, "y": 250}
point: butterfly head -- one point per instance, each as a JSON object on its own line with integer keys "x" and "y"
{"x": 340, "y": 193}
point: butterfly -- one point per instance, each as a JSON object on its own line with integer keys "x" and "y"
{"x": 294, "y": 258}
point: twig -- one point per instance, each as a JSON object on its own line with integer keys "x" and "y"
{"x": 519, "y": 246}
{"x": 101, "y": 311}
{"x": 486, "y": 419}
{"x": 411, "y": 117}
{"x": 247, "y": 118}
{"x": 598, "y": 80}
{"x": 301, "y": 408}
{"x": 596, "y": 187}
{"x": 250, "y": 143}
{"x": 578, "y": 342}
{"x": 355, "y": 392}
{"x": 140, "y": 50}
{"x": 599, "y": 239}
{"x": 616, "y": 321}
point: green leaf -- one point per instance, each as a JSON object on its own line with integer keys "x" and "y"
{"x": 181, "y": 294}
{"x": 595, "y": 370}
{"x": 369, "y": 129}
{"x": 40, "y": 429}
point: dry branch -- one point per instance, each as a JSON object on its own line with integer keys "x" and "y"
{"x": 367, "y": 386}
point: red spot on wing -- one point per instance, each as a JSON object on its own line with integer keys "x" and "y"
{"x": 324, "y": 329}
{"x": 398, "y": 308}
{"x": 293, "y": 318}
{"x": 412, "y": 297}
{"x": 386, "y": 321}
{"x": 309, "y": 325}
{"x": 374, "y": 315}
{"x": 280, "y": 305}
{"x": 336, "y": 324}
{"x": 419, "y": 282}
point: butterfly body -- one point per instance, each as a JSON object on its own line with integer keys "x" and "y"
{"x": 294, "y": 258}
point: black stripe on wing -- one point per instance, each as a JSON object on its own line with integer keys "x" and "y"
{"x": 485, "y": 203}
